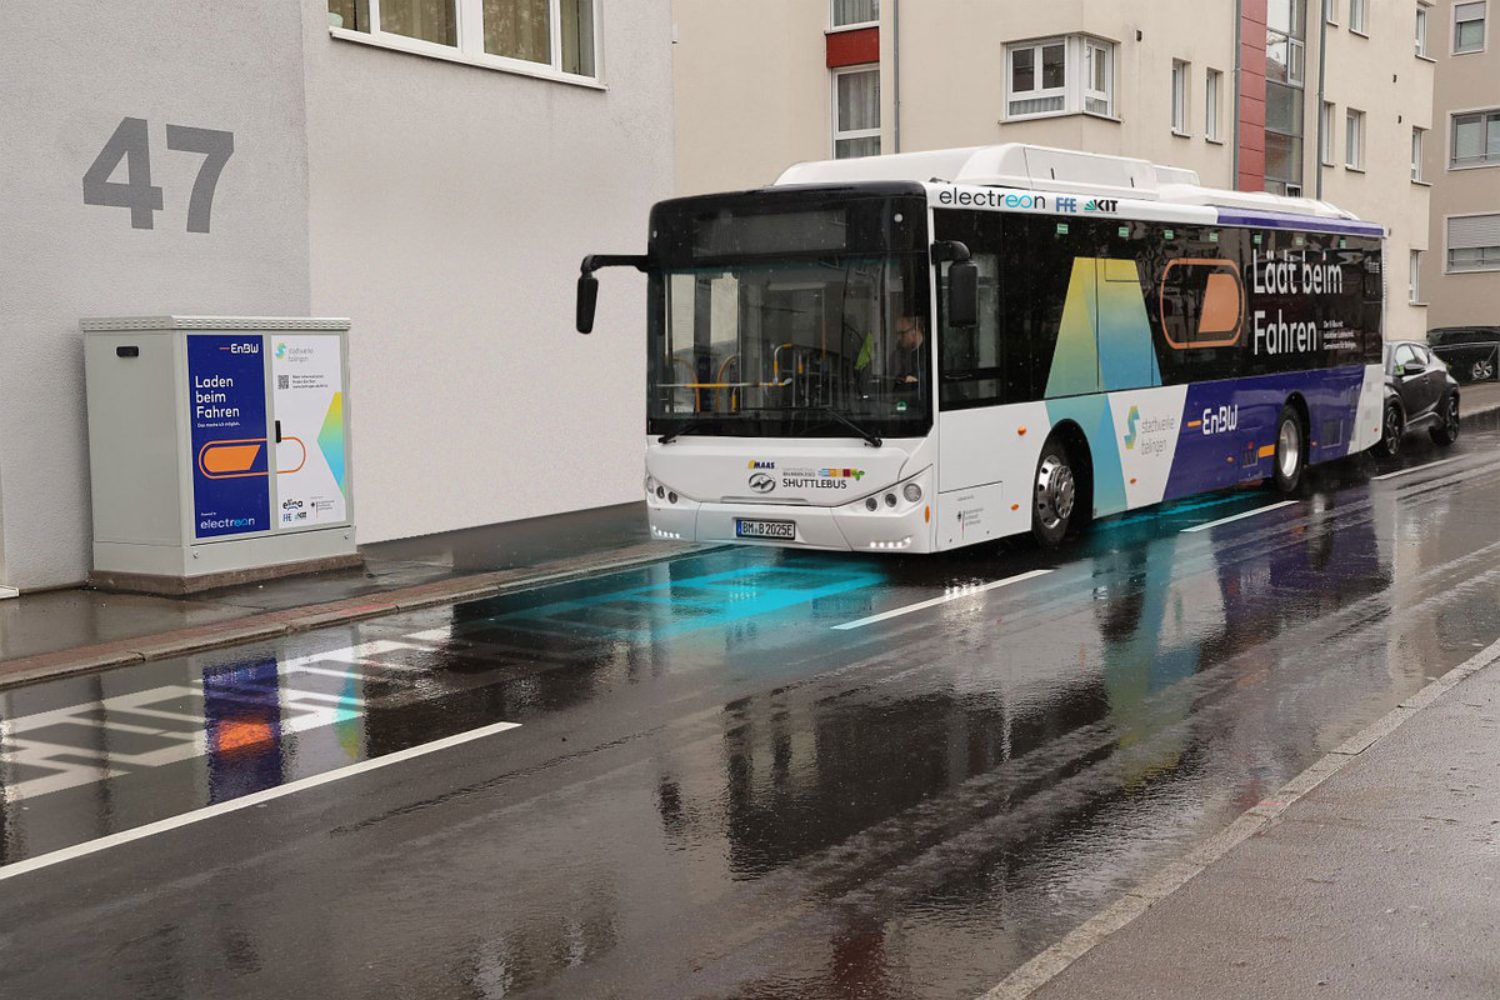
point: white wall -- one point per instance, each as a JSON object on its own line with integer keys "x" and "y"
{"x": 69, "y": 72}
{"x": 450, "y": 206}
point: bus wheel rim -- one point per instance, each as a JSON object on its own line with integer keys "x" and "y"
{"x": 1289, "y": 446}
{"x": 1056, "y": 492}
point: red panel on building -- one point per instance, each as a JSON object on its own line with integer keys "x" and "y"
{"x": 1251, "y": 114}
{"x": 857, "y": 47}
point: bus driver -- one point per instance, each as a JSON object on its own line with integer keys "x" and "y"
{"x": 908, "y": 360}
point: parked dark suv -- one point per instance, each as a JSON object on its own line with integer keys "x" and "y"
{"x": 1419, "y": 395}
{"x": 1472, "y": 352}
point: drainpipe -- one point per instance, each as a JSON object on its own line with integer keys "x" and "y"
{"x": 1322, "y": 69}
{"x": 896, "y": 72}
{"x": 1234, "y": 161}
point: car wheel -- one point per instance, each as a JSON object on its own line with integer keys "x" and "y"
{"x": 1447, "y": 432}
{"x": 1482, "y": 371}
{"x": 1291, "y": 450}
{"x": 1392, "y": 428}
{"x": 1055, "y": 497}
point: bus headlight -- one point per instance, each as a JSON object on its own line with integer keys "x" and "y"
{"x": 912, "y": 492}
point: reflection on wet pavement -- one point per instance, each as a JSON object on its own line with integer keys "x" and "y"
{"x": 717, "y": 793}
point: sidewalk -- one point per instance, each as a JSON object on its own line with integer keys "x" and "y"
{"x": 1381, "y": 878}
{"x": 61, "y": 632}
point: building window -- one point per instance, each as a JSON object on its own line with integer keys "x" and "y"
{"x": 1357, "y": 12}
{"x": 1179, "y": 97}
{"x": 1286, "y": 61}
{"x": 1414, "y": 278}
{"x": 1212, "y": 86}
{"x": 1331, "y": 11}
{"x": 1286, "y": 29}
{"x": 556, "y": 35}
{"x": 1468, "y": 27}
{"x": 1422, "y": 31}
{"x": 1474, "y": 243}
{"x": 1098, "y": 78}
{"x": 1325, "y": 129}
{"x": 1418, "y": 140}
{"x": 856, "y": 108}
{"x": 855, "y": 13}
{"x": 1038, "y": 78}
{"x": 1476, "y": 139}
{"x": 1057, "y": 76}
{"x": 1354, "y": 140}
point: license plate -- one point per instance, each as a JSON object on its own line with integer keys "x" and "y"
{"x": 765, "y": 529}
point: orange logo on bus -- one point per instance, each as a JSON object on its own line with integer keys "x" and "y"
{"x": 1202, "y": 303}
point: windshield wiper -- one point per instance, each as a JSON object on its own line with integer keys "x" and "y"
{"x": 872, "y": 439}
{"x": 689, "y": 426}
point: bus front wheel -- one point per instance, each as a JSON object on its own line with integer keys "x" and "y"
{"x": 1291, "y": 451}
{"x": 1055, "y": 496}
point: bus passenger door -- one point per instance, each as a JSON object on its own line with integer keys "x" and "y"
{"x": 977, "y": 449}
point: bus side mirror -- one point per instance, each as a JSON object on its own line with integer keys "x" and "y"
{"x": 963, "y": 293}
{"x": 588, "y": 298}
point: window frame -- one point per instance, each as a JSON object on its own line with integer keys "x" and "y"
{"x": 1484, "y": 31}
{"x": 1328, "y": 117}
{"x": 1354, "y": 133}
{"x": 833, "y": 21}
{"x": 1485, "y": 115}
{"x": 1418, "y": 153}
{"x": 1421, "y": 31}
{"x": 1448, "y": 248}
{"x": 839, "y": 134}
{"x": 1414, "y": 278}
{"x": 1077, "y": 89}
{"x": 469, "y": 50}
{"x": 1213, "y": 95}
{"x": 1359, "y": 25}
{"x": 1331, "y": 12}
{"x": 1038, "y": 92}
{"x": 1181, "y": 97}
{"x": 1090, "y": 46}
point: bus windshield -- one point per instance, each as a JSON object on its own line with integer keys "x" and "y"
{"x": 787, "y": 347}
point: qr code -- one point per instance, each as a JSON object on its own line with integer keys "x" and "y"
{"x": 283, "y": 381}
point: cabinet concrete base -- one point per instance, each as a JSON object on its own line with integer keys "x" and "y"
{"x": 177, "y": 586}
{"x": 172, "y": 569}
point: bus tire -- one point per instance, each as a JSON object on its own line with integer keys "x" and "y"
{"x": 1291, "y": 450}
{"x": 1054, "y": 501}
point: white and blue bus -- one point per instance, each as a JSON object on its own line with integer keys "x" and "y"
{"x": 929, "y": 350}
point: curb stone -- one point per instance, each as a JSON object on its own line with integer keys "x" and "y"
{"x": 269, "y": 625}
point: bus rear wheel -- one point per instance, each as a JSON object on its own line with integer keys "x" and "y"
{"x": 1055, "y": 497}
{"x": 1291, "y": 451}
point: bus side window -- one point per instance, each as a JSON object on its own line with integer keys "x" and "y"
{"x": 972, "y": 361}
{"x": 970, "y": 357}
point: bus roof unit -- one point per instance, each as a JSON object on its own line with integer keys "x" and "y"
{"x": 1041, "y": 168}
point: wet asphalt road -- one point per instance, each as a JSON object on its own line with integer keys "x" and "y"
{"x": 713, "y": 789}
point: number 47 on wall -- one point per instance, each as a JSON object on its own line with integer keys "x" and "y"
{"x": 130, "y": 144}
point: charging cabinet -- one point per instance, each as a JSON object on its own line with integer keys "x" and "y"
{"x": 219, "y": 449}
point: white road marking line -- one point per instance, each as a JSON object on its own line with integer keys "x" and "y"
{"x": 1240, "y": 516}
{"x": 1415, "y": 468}
{"x": 934, "y": 602}
{"x": 245, "y": 801}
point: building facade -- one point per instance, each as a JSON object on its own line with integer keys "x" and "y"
{"x": 431, "y": 169}
{"x": 1251, "y": 94}
{"x": 1461, "y": 272}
